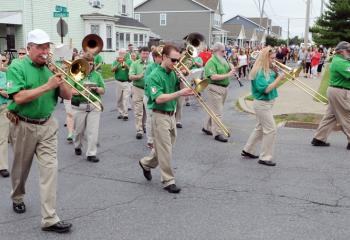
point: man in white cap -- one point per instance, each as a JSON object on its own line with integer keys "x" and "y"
{"x": 338, "y": 110}
{"x": 34, "y": 90}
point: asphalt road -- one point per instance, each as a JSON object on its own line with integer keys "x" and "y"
{"x": 306, "y": 196}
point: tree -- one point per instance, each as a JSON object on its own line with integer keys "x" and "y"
{"x": 272, "y": 41}
{"x": 295, "y": 41}
{"x": 334, "y": 25}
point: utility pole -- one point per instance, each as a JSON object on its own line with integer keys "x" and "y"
{"x": 322, "y": 3}
{"x": 288, "y": 33}
{"x": 261, "y": 9}
{"x": 307, "y": 23}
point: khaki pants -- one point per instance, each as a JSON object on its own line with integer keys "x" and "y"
{"x": 123, "y": 94}
{"x": 86, "y": 123}
{"x": 265, "y": 130}
{"x": 216, "y": 99}
{"x": 164, "y": 133}
{"x": 148, "y": 121}
{"x": 40, "y": 140}
{"x": 4, "y": 137}
{"x": 137, "y": 97}
{"x": 338, "y": 111}
{"x": 179, "y": 107}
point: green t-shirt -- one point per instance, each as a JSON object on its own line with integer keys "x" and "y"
{"x": 3, "y": 86}
{"x": 93, "y": 77}
{"x": 196, "y": 60}
{"x": 137, "y": 68}
{"x": 149, "y": 70}
{"x": 215, "y": 66}
{"x": 98, "y": 59}
{"x": 25, "y": 75}
{"x": 162, "y": 82}
{"x": 259, "y": 85}
{"x": 121, "y": 74}
{"x": 340, "y": 72}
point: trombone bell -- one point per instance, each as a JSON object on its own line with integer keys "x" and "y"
{"x": 200, "y": 84}
{"x": 92, "y": 43}
{"x": 78, "y": 69}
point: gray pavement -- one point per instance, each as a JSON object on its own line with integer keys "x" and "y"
{"x": 306, "y": 196}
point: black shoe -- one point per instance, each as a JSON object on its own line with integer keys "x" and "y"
{"x": 172, "y": 188}
{"x": 92, "y": 159}
{"x": 220, "y": 138}
{"x": 267, "y": 163}
{"x": 188, "y": 104}
{"x": 120, "y": 117}
{"x": 19, "y": 207}
{"x": 248, "y": 155}
{"x": 348, "y": 147}
{"x": 144, "y": 130}
{"x": 77, "y": 151}
{"x": 319, "y": 143}
{"x": 207, "y": 131}
{"x": 139, "y": 136}
{"x": 59, "y": 227}
{"x": 4, "y": 173}
{"x": 147, "y": 174}
{"x": 178, "y": 125}
{"x": 125, "y": 118}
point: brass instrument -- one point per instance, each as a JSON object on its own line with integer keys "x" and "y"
{"x": 200, "y": 85}
{"x": 121, "y": 61}
{"x": 292, "y": 75}
{"x": 92, "y": 43}
{"x": 77, "y": 70}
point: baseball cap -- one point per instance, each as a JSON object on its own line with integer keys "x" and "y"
{"x": 342, "y": 46}
{"x": 38, "y": 36}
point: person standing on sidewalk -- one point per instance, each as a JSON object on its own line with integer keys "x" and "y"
{"x": 164, "y": 90}
{"x": 264, "y": 83}
{"x": 34, "y": 92}
{"x": 4, "y": 126}
{"x": 338, "y": 110}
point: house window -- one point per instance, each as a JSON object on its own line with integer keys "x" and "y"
{"x": 122, "y": 40}
{"x": 137, "y": 16}
{"x": 127, "y": 37}
{"x": 142, "y": 43}
{"x": 163, "y": 19}
{"x": 217, "y": 20}
{"x": 95, "y": 29}
{"x": 124, "y": 7}
{"x": 136, "y": 40}
{"x": 109, "y": 36}
{"x": 117, "y": 42}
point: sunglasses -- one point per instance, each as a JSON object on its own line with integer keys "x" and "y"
{"x": 174, "y": 60}
{"x": 3, "y": 60}
{"x": 21, "y": 53}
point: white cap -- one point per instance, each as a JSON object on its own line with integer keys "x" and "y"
{"x": 38, "y": 36}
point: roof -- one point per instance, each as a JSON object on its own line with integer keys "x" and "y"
{"x": 210, "y": 4}
{"x": 119, "y": 20}
{"x": 245, "y": 18}
{"x": 233, "y": 29}
{"x": 265, "y": 22}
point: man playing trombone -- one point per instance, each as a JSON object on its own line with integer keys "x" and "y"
{"x": 219, "y": 72}
{"x": 164, "y": 90}
{"x": 338, "y": 110}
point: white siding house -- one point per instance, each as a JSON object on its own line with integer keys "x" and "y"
{"x": 112, "y": 20}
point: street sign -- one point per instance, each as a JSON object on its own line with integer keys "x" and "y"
{"x": 60, "y": 9}
{"x": 60, "y": 14}
{"x": 62, "y": 28}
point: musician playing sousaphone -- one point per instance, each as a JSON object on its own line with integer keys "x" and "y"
{"x": 120, "y": 67}
{"x": 264, "y": 79}
{"x": 136, "y": 75}
{"x": 219, "y": 72}
{"x": 86, "y": 115}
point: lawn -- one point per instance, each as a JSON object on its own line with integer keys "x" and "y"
{"x": 324, "y": 82}
{"x": 106, "y": 71}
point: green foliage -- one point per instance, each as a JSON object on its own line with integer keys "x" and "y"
{"x": 272, "y": 41}
{"x": 334, "y": 25}
{"x": 106, "y": 71}
{"x": 295, "y": 40}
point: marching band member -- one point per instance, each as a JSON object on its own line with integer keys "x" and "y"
{"x": 87, "y": 116}
{"x": 157, "y": 60}
{"x": 264, "y": 83}
{"x": 120, "y": 67}
{"x": 4, "y": 126}
{"x": 136, "y": 75}
{"x": 33, "y": 130}
{"x": 219, "y": 72}
{"x": 164, "y": 89}
{"x": 338, "y": 110}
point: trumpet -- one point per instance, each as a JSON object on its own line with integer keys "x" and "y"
{"x": 121, "y": 61}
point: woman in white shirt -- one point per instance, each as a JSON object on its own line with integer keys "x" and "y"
{"x": 242, "y": 63}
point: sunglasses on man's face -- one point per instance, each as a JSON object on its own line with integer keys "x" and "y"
{"x": 174, "y": 60}
{"x": 21, "y": 53}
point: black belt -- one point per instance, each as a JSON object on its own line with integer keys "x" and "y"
{"x": 32, "y": 121}
{"x": 219, "y": 85}
{"x": 340, "y": 87}
{"x": 164, "y": 112}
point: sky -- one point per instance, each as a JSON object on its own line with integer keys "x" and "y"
{"x": 277, "y": 10}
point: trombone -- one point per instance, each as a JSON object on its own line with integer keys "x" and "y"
{"x": 200, "y": 85}
{"x": 293, "y": 74}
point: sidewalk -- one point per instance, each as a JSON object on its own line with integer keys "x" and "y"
{"x": 291, "y": 99}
